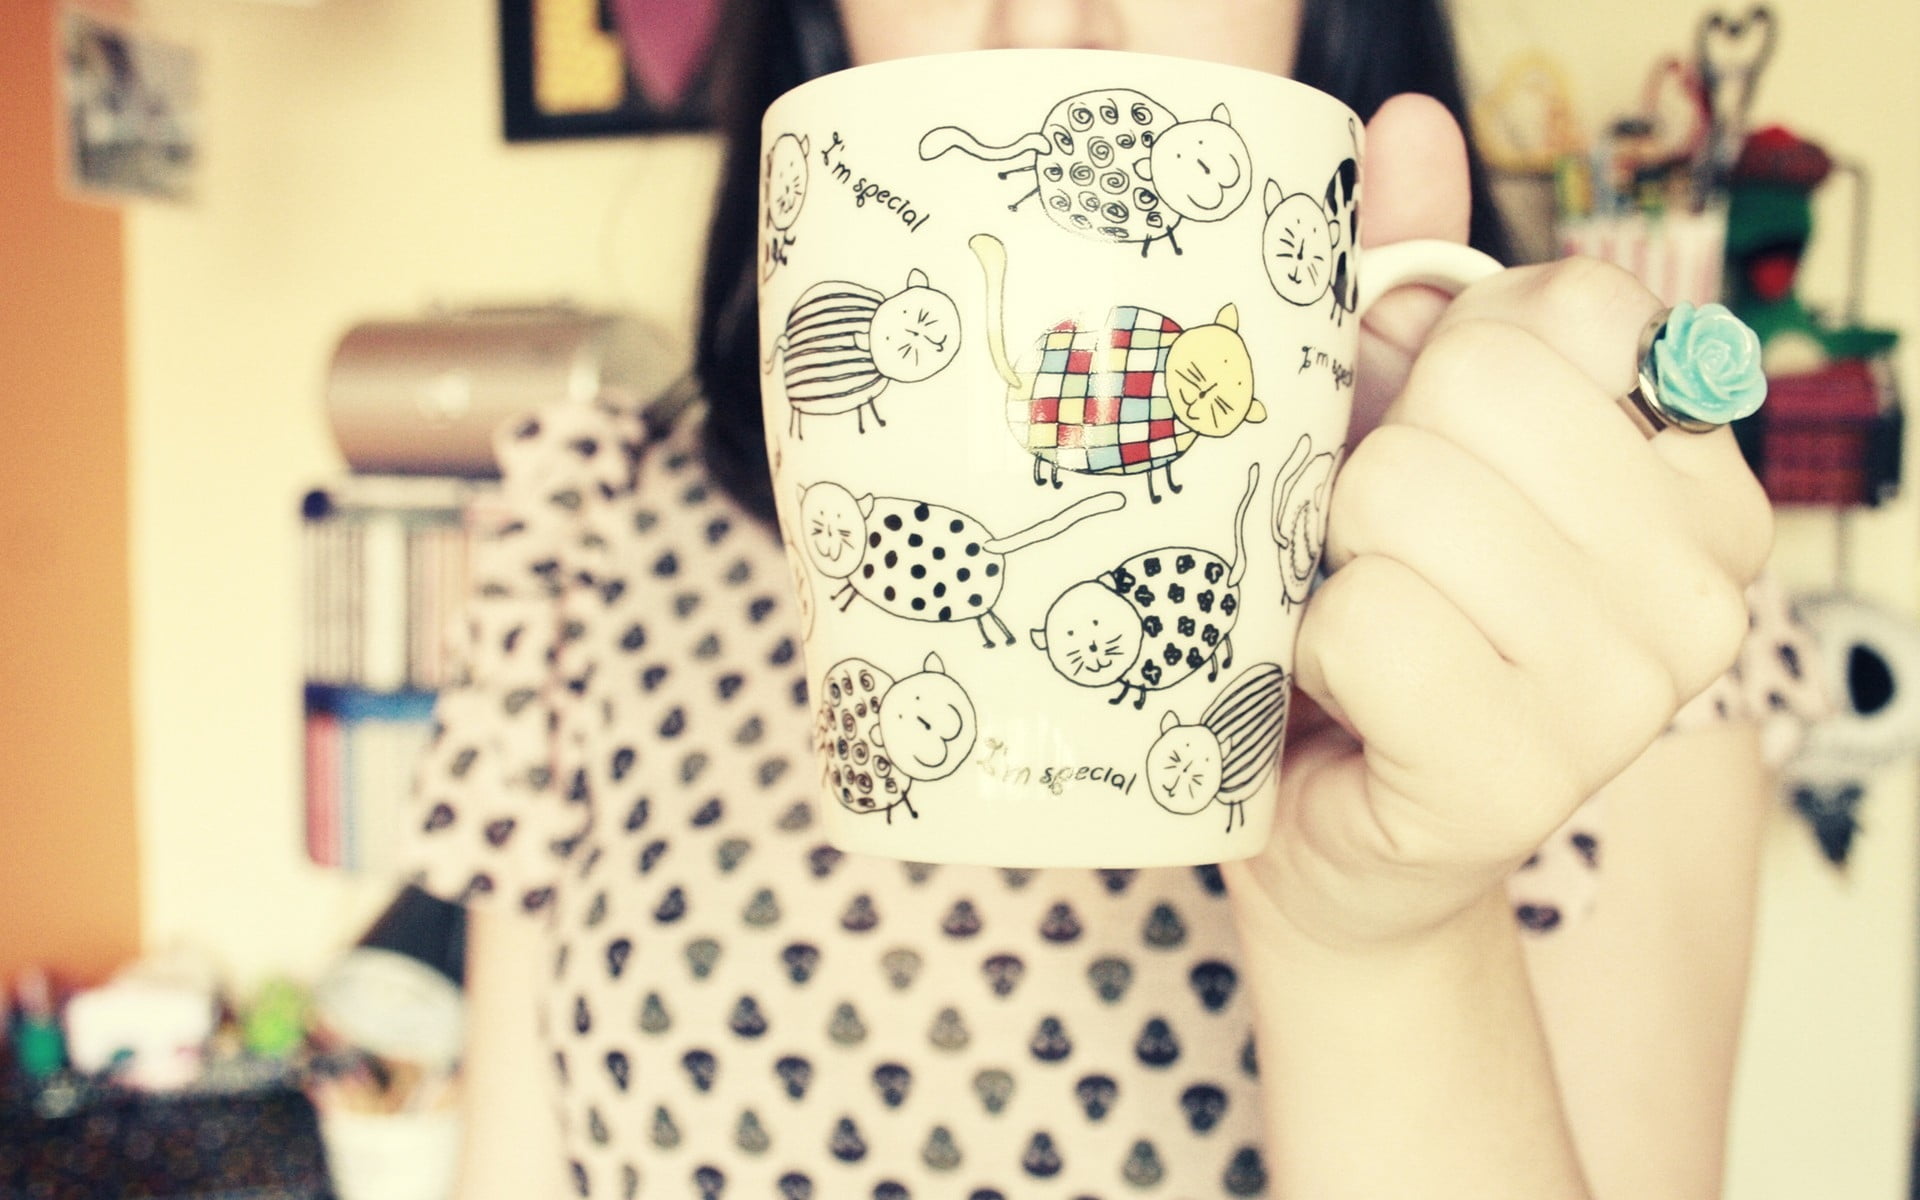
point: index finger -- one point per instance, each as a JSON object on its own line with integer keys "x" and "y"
{"x": 1590, "y": 312}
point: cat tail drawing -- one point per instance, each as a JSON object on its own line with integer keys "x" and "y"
{"x": 1290, "y": 472}
{"x": 951, "y": 137}
{"x": 774, "y": 355}
{"x": 1239, "y": 567}
{"x": 1057, "y": 524}
{"x": 992, "y": 254}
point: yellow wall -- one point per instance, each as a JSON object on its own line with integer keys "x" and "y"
{"x": 355, "y": 170}
{"x": 68, "y": 864}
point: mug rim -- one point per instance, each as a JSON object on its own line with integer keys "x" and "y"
{"x": 1131, "y": 60}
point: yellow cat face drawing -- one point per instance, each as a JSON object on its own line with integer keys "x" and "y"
{"x": 1210, "y": 377}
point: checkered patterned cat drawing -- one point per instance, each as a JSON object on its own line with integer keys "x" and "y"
{"x": 877, "y": 735}
{"x": 1153, "y": 620}
{"x": 918, "y": 560}
{"x": 1127, "y": 396}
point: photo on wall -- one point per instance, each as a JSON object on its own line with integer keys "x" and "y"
{"x": 129, "y": 111}
{"x": 602, "y": 68}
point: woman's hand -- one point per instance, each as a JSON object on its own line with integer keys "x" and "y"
{"x": 1524, "y": 589}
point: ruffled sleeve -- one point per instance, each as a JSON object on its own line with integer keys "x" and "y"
{"x": 1773, "y": 684}
{"x": 493, "y": 821}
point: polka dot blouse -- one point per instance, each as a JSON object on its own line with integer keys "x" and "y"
{"x": 736, "y": 1009}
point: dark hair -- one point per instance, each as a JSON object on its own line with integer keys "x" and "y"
{"x": 1362, "y": 51}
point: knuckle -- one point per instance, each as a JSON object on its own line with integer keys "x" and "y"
{"x": 1335, "y": 600}
{"x": 1375, "y": 474}
{"x": 1724, "y": 619}
{"x": 1644, "y": 689}
{"x": 1581, "y": 291}
{"x": 1378, "y": 458}
{"x": 1348, "y": 605}
{"x": 1458, "y": 360}
{"x": 1703, "y": 627}
{"x": 1749, "y": 527}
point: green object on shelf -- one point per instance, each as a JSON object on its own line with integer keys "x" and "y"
{"x": 39, "y": 1048}
{"x": 277, "y": 1023}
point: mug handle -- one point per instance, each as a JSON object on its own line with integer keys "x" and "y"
{"x": 1448, "y": 266}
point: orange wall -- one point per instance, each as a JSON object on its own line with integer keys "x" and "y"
{"x": 68, "y": 856}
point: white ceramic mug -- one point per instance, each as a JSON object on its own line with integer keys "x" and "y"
{"x": 1058, "y": 359}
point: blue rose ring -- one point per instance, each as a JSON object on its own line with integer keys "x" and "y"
{"x": 1699, "y": 370}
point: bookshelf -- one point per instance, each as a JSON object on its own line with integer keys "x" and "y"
{"x": 384, "y": 563}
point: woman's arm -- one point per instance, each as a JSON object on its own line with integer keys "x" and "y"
{"x": 1642, "y": 999}
{"x": 1473, "y": 1060}
{"x": 510, "y": 1137}
{"x": 1522, "y": 590}
{"x": 1413, "y": 1068}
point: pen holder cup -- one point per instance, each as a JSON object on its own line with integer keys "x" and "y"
{"x": 1679, "y": 255}
{"x": 392, "y": 1156}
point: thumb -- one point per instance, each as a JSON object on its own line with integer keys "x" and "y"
{"x": 1414, "y": 184}
{"x": 1415, "y": 176}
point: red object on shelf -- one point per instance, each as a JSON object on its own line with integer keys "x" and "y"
{"x": 1829, "y": 437}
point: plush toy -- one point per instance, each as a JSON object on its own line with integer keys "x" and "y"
{"x": 1870, "y": 660}
{"x": 1769, "y": 224}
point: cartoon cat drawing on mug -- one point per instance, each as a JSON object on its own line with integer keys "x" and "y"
{"x": 1153, "y": 620}
{"x": 1227, "y": 753}
{"x": 1125, "y": 395}
{"x": 783, "y": 191}
{"x": 877, "y": 735}
{"x": 918, "y": 560}
{"x": 1302, "y": 498}
{"x": 1309, "y": 246}
{"x": 844, "y": 343}
{"x": 1118, "y": 166}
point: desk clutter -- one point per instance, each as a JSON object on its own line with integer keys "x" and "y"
{"x": 160, "y": 1083}
{"x": 1684, "y": 191}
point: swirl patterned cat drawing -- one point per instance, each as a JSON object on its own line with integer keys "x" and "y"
{"x": 1123, "y": 395}
{"x": 918, "y": 560}
{"x": 876, "y": 735}
{"x": 1225, "y": 755}
{"x": 844, "y": 343}
{"x": 1117, "y": 166}
{"x": 1152, "y": 621}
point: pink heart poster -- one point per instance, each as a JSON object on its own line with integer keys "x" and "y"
{"x": 667, "y": 42}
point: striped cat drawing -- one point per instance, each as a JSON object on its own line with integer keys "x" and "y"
{"x": 845, "y": 342}
{"x": 1227, "y": 753}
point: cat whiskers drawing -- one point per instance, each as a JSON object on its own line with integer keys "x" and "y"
{"x": 830, "y": 541}
{"x": 1096, "y": 660}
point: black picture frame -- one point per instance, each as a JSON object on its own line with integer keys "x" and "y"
{"x": 632, "y": 112}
